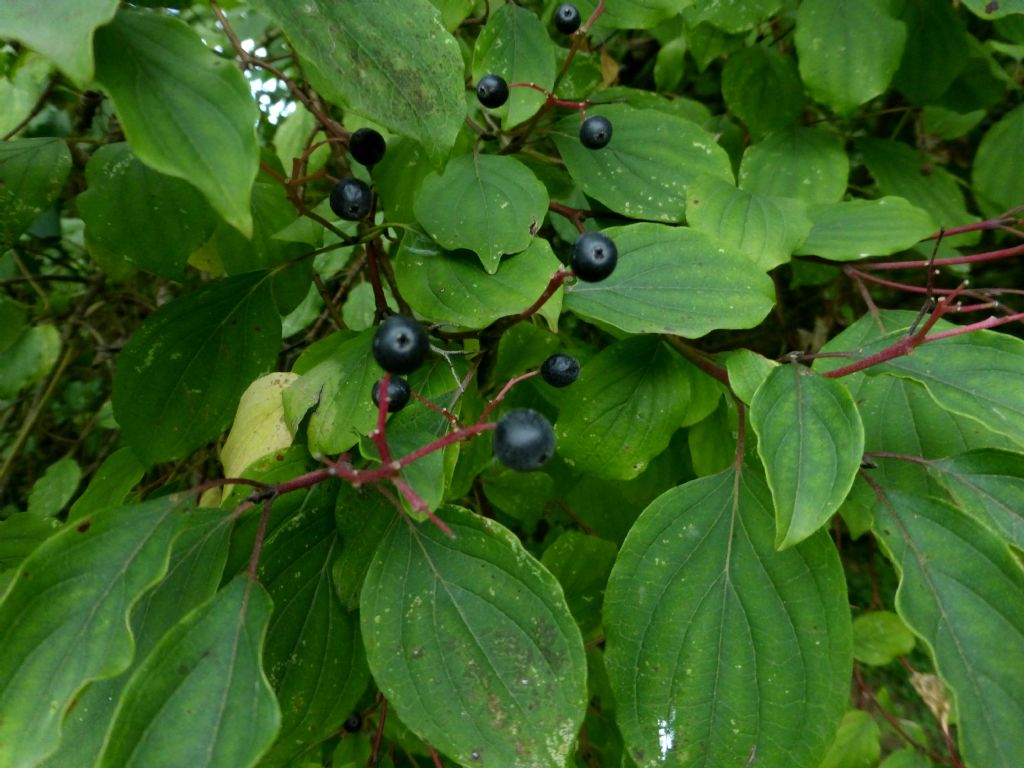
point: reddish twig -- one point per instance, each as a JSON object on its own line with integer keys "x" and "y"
{"x": 906, "y": 344}
{"x": 553, "y": 285}
{"x": 699, "y": 358}
{"x": 977, "y": 258}
{"x": 257, "y": 546}
{"x": 893, "y": 721}
{"x": 452, "y": 419}
{"x": 379, "y": 735}
{"x": 990, "y": 322}
{"x": 552, "y": 100}
{"x": 575, "y": 215}
{"x": 504, "y": 391}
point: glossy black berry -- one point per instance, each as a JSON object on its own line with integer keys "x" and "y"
{"x": 398, "y": 393}
{"x": 353, "y": 723}
{"x": 492, "y": 91}
{"x": 350, "y": 199}
{"x": 367, "y": 147}
{"x": 596, "y": 132}
{"x": 560, "y": 370}
{"x": 523, "y": 440}
{"x": 400, "y": 345}
{"x": 567, "y": 18}
{"x": 594, "y": 257}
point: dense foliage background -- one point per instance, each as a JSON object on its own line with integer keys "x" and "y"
{"x": 783, "y": 524}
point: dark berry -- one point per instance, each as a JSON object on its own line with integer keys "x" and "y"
{"x": 567, "y": 18}
{"x": 400, "y": 345}
{"x": 398, "y": 394}
{"x": 523, "y": 440}
{"x": 353, "y": 723}
{"x": 594, "y": 257}
{"x": 350, "y": 199}
{"x": 596, "y": 132}
{"x": 367, "y": 147}
{"x": 492, "y": 91}
{"x": 560, "y": 370}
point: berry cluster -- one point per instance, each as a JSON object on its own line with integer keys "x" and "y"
{"x": 351, "y": 199}
{"x": 524, "y": 439}
{"x": 399, "y": 346}
{"x": 492, "y": 91}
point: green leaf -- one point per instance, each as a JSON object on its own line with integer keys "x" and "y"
{"x": 901, "y": 171}
{"x": 313, "y": 655}
{"x": 180, "y": 377}
{"x": 974, "y": 374}
{"x": 451, "y": 289}
{"x": 152, "y": 220}
{"x": 628, "y": 401}
{"x": 959, "y": 591}
{"x": 718, "y": 646}
{"x": 635, "y": 14}
{"x": 765, "y": 230}
{"x": 645, "y": 169}
{"x": 669, "y": 65}
{"x": 998, "y": 167}
{"x": 857, "y": 744}
{"x": 186, "y": 112}
{"x": 110, "y": 485}
{"x": 339, "y": 387}
{"x": 29, "y": 359}
{"x": 398, "y": 178}
{"x": 855, "y": 229}
{"x": 32, "y": 174}
{"x": 936, "y": 50}
{"x": 849, "y": 50}
{"x": 389, "y": 60}
{"x": 12, "y": 322}
{"x": 522, "y": 496}
{"x": 995, "y": 10}
{"x": 200, "y": 698}
{"x": 490, "y": 204}
{"x": 271, "y": 214}
{"x": 674, "y": 280}
{"x": 811, "y": 441}
{"x": 63, "y": 619}
{"x": 734, "y": 15}
{"x": 879, "y": 637}
{"x": 471, "y": 640}
{"x": 19, "y": 535}
{"x": 61, "y": 30}
{"x": 515, "y": 44}
{"x": 762, "y": 88}
{"x": 989, "y": 485}
{"x": 747, "y": 370}
{"x": 906, "y": 758}
{"x": 259, "y": 425}
{"x": 363, "y": 517}
{"x": 21, "y": 89}
{"x": 193, "y": 575}
{"x": 808, "y": 164}
{"x": 51, "y": 492}
{"x": 582, "y": 563}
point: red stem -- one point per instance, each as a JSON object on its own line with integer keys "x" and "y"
{"x": 553, "y": 285}
{"x": 990, "y": 322}
{"x": 993, "y": 223}
{"x": 504, "y": 391}
{"x": 261, "y": 534}
{"x": 905, "y": 345}
{"x": 552, "y": 100}
{"x": 976, "y": 258}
